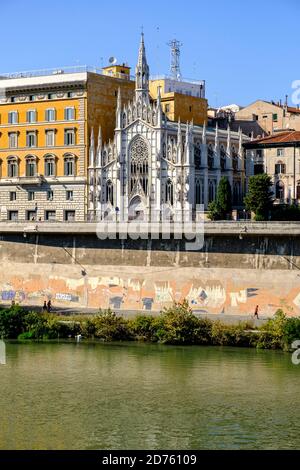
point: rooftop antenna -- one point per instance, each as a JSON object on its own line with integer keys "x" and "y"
{"x": 175, "y": 58}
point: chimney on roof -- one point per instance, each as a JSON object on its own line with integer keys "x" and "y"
{"x": 280, "y": 103}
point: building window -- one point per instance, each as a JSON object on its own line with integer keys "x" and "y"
{"x": 50, "y": 195}
{"x": 280, "y": 153}
{"x": 51, "y": 96}
{"x": 30, "y": 166}
{"x": 30, "y": 215}
{"x": 69, "y": 114}
{"x": 167, "y": 108}
{"x": 13, "y": 117}
{"x": 258, "y": 169}
{"x": 69, "y": 195}
{"x": 280, "y": 168}
{"x": 50, "y": 215}
{"x": 191, "y": 108}
{"x": 235, "y": 159}
{"x": 223, "y": 158}
{"x": 50, "y": 115}
{"x": 279, "y": 190}
{"x": 31, "y": 116}
{"x": 31, "y": 139}
{"x": 109, "y": 193}
{"x": 12, "y": 196}
{"x": 69, "y": 166}
{"x": 210, "y": 157}
{"x": 49, "y": 166}
{"x": 12, "y": 215}
{"x": 69, "y": 216}
{"x": 13, "y": 99}
{"x": 169, "y": 192}
{"x": 31, "y": 97}
{"x": 12, "y": 167}
{"x": 211, "y": 190}
{"x": 69, "y": 137}
{"x": 199, "y": 192}
{"x": 275, "y": 117}
{"x": 50, "y": 138}
{"x": 71, "y": 94}
{"x": 13, "y": 140}
{"x": 30, "y": 195}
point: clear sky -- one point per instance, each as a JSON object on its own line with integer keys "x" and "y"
{"x": 244, "y": 50}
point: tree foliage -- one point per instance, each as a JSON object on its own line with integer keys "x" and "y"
{"x": 259, "y": 198}
{"x": 222, "y": 206}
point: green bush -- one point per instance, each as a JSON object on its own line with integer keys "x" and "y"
{"x": 232, "y": 335}
{"x": 144, "y": 327}
{"x": 12, "y": 322}
{"x": 291, "y": 331}
{"x": 272, "y": 332}
{"x": 110, "y": 327}
{"x": 178, "y": 325}
{"x": 175, "y": 325}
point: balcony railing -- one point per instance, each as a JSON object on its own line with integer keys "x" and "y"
{"x": 60, "y": 71}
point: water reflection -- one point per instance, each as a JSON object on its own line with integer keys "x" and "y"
{"x": 100, "y": 396}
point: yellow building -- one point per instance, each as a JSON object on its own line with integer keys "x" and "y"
{"x": 45, "y": 124}
{"x": 184, "y": 100}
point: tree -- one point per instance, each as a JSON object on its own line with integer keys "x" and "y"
{"x": 259, "y": 198}
{"x": 222, "y": 206}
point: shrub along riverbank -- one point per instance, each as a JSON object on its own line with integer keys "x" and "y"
{"x": 175, "y": 325}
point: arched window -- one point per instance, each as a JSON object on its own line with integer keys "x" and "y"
{"x": 211, "y": 190}
{"x": 169, "y": 192}
{"x": 223, "y": 158}
{"x": 139, "y": 167}
{"x": 69, "y": 165}
{"x": 49, "y": 164}
{"x": 124, "y": 122}
{"x": 235, "y": 164}
{"x": 199, "y": 192}
{"x": 197, "y": 156}
{"x": 236, "y": 197}
{"x": 31, "y": 165}
{"x": 210, "y": 157}
{"x": 12, "y": 167}
{"x": 109, "y": 193}
{"x": 279, "y": 190}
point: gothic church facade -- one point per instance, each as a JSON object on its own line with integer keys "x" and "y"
{"x": 156, "y": 168}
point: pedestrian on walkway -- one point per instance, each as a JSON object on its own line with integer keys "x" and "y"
{"x": 45, "y": 306}
{"x": 256, "y": 312}
{"x": 49, "y": 306}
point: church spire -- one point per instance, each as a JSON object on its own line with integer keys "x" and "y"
{"x": 142, "y": 73}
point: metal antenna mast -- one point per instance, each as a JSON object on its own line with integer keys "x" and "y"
{"x": 175, "y": 58}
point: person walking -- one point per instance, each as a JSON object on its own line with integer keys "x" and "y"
{"x": 49, "y": 306}
{"x": 256, "y": 312}
{"x": 45, "y": 306}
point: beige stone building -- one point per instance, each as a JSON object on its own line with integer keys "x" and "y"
{"x": 272, "y": 117}
{"x": 278, "y": 156}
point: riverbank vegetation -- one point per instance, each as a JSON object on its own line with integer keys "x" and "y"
{"x": 175, "y": 325}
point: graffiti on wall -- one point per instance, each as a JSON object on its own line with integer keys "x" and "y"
{"x": 206, "y": 291}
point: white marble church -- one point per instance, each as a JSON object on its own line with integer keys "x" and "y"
{"x": 156, "y": 166}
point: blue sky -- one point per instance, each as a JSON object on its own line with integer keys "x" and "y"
{"x": 244, "y": 50}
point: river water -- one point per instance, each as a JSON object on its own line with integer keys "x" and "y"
{"x": 140, "y": 396}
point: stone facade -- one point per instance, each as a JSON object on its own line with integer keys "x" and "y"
{"x": 278, "y": 156}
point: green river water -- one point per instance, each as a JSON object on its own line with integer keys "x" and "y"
{"x": 139, "y": 396}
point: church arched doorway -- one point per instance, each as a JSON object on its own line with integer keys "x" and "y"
{"x": 136, "y": 209}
